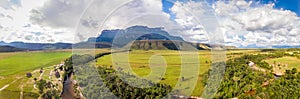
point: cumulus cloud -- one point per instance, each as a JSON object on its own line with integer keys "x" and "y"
{"x": 16, "y": 26}
{"x": 242, "y": 23}
{"x": 91, "y": 23}
{"x": 81, "y": 17}
{"x": 89, "y": 17}
{"x": 199, "y": 22}
{"x": 59, "y": 13}
{"x": 10, "y": 4}
{"x": 237, "y": 22}
{"x": 185, "y": 17}
{"x": 124, "y": 14}
{"x": 257, "y": 24}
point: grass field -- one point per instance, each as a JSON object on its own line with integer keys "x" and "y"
{"x": 141, "y": 63}
{"x": 87, "y": 51}
{"x": 230, "y": 54}
{"x": 13, "y": 67}
{"x": 292, "y": 62}
{"x": 6, "y": 55}
{"x": 29, "y": 61}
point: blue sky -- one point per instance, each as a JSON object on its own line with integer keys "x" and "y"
{"x": 166, "y": 7}
{"x": 292, "y": 5}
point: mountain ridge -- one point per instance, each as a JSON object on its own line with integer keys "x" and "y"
{"x": 119, "y": 38}
{"x": 7, "y": 48}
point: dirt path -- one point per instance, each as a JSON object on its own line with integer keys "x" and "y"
{"x": 7, "y": 85}
{"x": 259, "y": 69}
{"x": 21, "y": 92}
{"x": 41, "y": 75}
{"x": 4, "y": 87}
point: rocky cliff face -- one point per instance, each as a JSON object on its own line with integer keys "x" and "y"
{"x": 161, "y": 45}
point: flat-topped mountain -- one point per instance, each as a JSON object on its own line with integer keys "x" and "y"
{"x": 121, "y": 37}
{"x": 143, "y": 37}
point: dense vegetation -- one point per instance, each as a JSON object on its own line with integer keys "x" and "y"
{"x": 105, "y": 83}
{"x": 242, "y": 81}
{"x": 124, "y": 90}
{"x": 48, "y": 90}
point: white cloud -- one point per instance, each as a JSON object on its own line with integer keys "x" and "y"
{"x": 94, "y": 16}
{"x": 59, "y": 13}
{"x": 242, "y": 23}
{"x": 187, "y": 16}
{"x": 258, "y": 24}
{"x": 238, "y": 22}
{"x": 7, "y": 4}
{"x": 16, "y": 26}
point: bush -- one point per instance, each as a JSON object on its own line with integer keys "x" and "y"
{"x": 28, "y": 75}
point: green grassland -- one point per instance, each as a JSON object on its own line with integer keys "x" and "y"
{"x": 30, "y": 61}
{"x": 6, "y": 55}
{"x": 140, "y": 62}
{"x": 14, "y": 66}
{"x": 234, "y": 53}
{"x": 87, "y": 51}
{"x": 292, "y": 62}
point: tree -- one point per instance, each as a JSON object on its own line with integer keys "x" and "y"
{"x": 294, "y": 70}
{"x": 35, "y": 79}
{"x": 28, "y": 75}
{"x": 57, "y": 75}
{"x": 41, "y": 85}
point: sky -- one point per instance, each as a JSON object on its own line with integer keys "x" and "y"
{"x": 241, "y": 23}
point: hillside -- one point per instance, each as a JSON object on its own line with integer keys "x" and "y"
{"x": 162, "y": 45}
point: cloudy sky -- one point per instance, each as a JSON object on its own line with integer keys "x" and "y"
{"x": 260, "y": 23}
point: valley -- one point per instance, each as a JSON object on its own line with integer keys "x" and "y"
{"x": 143, "y": 64}
{"x": 174, "y": 67}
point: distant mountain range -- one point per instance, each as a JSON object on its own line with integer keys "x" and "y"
{"x": 37, "y": 46}
{"x": 10, "y": 49}
{"x": 135, "y": 37}
{"x": 298, "y": 46}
